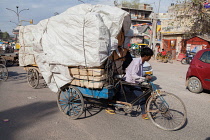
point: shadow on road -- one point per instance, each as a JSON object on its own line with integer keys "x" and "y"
{"x": 14, "y": 76}
{"x": 18, "y": 118}
{"x": 206, "y": 91}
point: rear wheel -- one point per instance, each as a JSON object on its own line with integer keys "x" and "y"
{"x": 3, "y": 73}
{"x": 10, "y": 62}
{"x": 2, "y": 61}
{"x": 194, "y": 85}
{"x": 33, "y": 77}
{"x": 70, "y": 102}
{"x": 166, "y": 111}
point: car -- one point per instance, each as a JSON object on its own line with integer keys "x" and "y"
{"x": 147, "y": 68}
{"x": 198, "y": 74}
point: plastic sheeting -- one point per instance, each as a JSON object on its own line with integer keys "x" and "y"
{"x": 84, "y": 35}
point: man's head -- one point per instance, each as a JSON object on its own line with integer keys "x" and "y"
{"x": 146, "y": 54}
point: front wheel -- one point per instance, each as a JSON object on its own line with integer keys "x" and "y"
{"x": 183, "y": 61}
{"x": 166, "y": 111}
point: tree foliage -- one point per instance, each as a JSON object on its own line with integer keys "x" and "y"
{"x": 198, "y": 16}
{"x": 4, "y": 36}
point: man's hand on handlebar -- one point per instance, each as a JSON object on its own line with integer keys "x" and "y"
{"x": 148, "y": 77}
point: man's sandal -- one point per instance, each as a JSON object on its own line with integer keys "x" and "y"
{"x": 145, "y": 117}
{"x": 110, "y": 111}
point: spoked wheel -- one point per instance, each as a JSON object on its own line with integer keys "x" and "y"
{"x": 33, "y": 77}
{"x": 3, "y": 73}
{"x": 2, "y": 61}
{"x": 170, "y": 59}
{"x": 70, "y": 102}
{"x": 167, "y": 111}
{"x": 183, "y": 61}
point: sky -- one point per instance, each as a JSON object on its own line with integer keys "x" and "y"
{"x": 43, "y": 9}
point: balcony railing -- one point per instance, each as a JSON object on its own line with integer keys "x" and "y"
{"x": 139, "y": 18}
{"x": 136, "y": 7}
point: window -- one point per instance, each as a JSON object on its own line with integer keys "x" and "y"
{"x": 205, "y": 57}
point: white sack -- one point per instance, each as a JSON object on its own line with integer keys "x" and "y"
{"x": 26, "y": 56}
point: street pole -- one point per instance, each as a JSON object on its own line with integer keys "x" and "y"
{"x": 154, "y": 29}
{"x": 17, "y": 12}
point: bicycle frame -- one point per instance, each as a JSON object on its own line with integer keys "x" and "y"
{"x": 157, "y": 93}
{"x": 151, "y": 89}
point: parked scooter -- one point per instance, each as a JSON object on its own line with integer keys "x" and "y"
{"x": 188, "y": 58}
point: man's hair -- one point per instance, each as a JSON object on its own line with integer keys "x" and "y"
{"x": 146, "y": 52}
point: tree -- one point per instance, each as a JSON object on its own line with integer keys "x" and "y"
{"x": 197, "y": 15}
{"x": 4, "y": 36}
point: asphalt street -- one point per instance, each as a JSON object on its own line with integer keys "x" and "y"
{"x": 33, "y": 114}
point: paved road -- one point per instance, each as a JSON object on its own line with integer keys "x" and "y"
{"x": 27, "y": 113}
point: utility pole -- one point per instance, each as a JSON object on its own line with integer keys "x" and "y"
{"x": 154, "y": 29}
{"x": 81, "y": 1}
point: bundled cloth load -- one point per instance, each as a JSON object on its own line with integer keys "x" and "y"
{"x": 82, "y": 36}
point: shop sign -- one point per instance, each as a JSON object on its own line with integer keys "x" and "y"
{"x": 207, "y": 5}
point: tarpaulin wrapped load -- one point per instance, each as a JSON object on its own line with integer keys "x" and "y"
{"x": 84, "y": 35}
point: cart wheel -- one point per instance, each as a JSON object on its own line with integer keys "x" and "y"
{"x": 33, "y": 77}
{"x": 70, "y": 102}
{"x": 2, "y": 61}
{"x": 9, "y": 63}
{"x": 3, "y": 73}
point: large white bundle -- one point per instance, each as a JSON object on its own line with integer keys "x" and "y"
{"x": 84, "y": 35}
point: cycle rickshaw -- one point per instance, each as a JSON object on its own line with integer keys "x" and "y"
{"x": 165, "y": 110}
{"x": 135, "y": 49}
{"x": 165, "y": 58}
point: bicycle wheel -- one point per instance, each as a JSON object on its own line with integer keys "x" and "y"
{"x": 33, "y": 77}
{"x": 70, "y": 101}
{"x": 3, "y": 73}
{"x": 170, "y": 59}
{"x": 2, "y": 61}
{"x": 167, "y": 111}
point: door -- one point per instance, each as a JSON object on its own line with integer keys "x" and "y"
{"x": 203, "y": 69}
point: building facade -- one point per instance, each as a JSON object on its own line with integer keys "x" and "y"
{"x": 140, "y": 13}
{"x": 140, "y": 21}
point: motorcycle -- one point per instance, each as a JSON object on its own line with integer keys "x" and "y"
{"x": 188, "y": 58}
